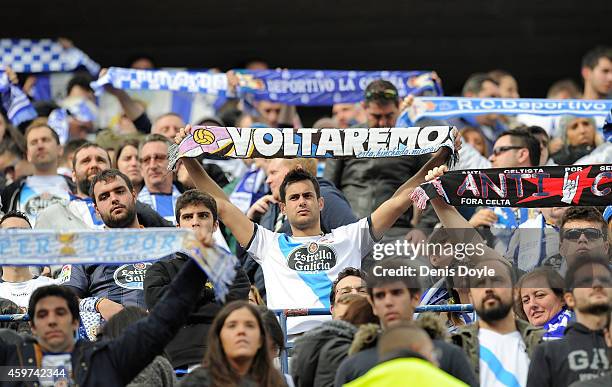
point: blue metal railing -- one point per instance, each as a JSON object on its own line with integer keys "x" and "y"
{"x": 284, "y": 313}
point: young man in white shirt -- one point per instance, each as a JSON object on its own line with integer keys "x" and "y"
{"x": 299, "y": 269}
{"x": 17, "y": 282}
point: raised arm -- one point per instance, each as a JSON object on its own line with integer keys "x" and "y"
{"x": 387, "y": 213}
{"x": 238, "y": 223}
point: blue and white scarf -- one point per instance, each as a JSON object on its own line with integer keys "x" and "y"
{"x": 555, "y": 327}
{"x": 446, "y": 107}
{"x": 14, "y": 101}
{"x": 328, "y": 87}
{"x": 172, "y": 80}
{"x": 249, "y": 189}
{"x": 44, "y": 55}
{"x": 164, "y": 204}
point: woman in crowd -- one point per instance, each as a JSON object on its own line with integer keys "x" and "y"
{"x": 578, "y": 138}
{"x": 475, "y": 138}
{"x": 539, "y": 300}
{"x": 128, "y": 163}
{"x": 159, "y": 372}
{"x": 238, "y": 354}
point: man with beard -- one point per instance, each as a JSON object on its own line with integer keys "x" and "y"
{"x": 498, "y": 345}
{"x": 45, "y": 187}
{"x": 106, "y": 289}
{"x": 89, "y": 159}
{"x": 581, "y": 353}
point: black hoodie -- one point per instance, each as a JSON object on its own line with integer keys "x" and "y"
{"x": 580, "y": 355}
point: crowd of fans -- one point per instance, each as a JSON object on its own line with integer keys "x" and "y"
{"x": 543, "y": 319}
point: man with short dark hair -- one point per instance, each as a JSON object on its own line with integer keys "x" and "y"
{"x": 349, "y": 281}
{"x": 581, "y": 353}
{"x": 583, "y": 233}
{"x": 299, "y": 268}
{"x": 108, "y": 288}
{"x": 197, "y": 211}
{"x": 367, "y": 183}
{"x": 481, "y": 85}
{"x": 394, "y": 299}
{"x": 597, "y": 73}
{"x": 54, "y": 318}
{"x": 32, "y": 194}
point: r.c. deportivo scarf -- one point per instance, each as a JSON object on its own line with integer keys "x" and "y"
{"x": 534, "y": 187}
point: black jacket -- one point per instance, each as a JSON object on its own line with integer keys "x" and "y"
{"x": 318, "y": 353}
{"x": 452, "y": 361}
{"x": 116, "y": 362}
{"x": 189, "y": 345}
{"x": 580, "y": 355}
{"x": 10, "y": 194}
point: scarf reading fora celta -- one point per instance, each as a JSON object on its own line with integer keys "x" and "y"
{"x": 535, "y": 187}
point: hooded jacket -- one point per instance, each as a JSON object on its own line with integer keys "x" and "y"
{"x": 452, "y": 360}
{"x": 319, "y": 352}
{"x": 580, "y": 355}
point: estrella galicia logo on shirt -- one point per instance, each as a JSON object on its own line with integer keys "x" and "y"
{"x": 131, "y": 276}
{"x": 37, "y": 203}
{"x": 312, "y": 257}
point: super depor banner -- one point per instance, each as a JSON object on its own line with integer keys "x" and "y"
{"x": 537, "y": 187}
{"x": 306, "y": 142}
{"x": 115, "y": 247}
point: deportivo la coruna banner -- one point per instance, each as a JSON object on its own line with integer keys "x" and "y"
{"x": 328, "y": 87}
{"x": 248, "y": 143}
{"x": 114, "y": 247}
{"x": 537, "y": 187}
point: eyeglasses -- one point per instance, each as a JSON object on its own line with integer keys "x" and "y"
{"x": 382, "y": 94}
{"x": 502, "y": 149}
{"x": 592, "y": 234}
{"x": 158, "y": 158}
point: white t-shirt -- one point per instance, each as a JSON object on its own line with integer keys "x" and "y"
{"x": 503, "y": 359}
{"x": 39, "y": 192}
{"x": 20, "y": 292}
{"x": 299, "y": 271}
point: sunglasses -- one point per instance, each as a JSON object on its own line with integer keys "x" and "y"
{"x": 592, "y": 234}
{"x": 383, "y": 94}
{"x": 502, "y": 149}
{"x": 588, "y": 281}
{"x": 157, "y": 158}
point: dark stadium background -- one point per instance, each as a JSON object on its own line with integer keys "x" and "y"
{"x": 538, "y": 41}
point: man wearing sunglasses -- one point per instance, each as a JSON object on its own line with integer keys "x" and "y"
{"x": 583, "y": 233}
{"x": 581, "y": 354}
